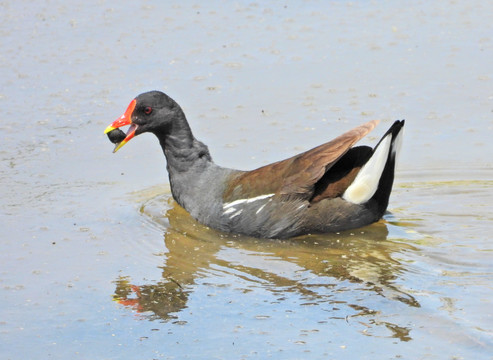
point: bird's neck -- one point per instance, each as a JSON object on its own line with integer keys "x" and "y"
{"x": 183, "y": 152}
{"x": 183, "y": 155}
{"x": 187, "y": 162}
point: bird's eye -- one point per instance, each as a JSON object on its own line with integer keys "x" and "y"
{"x": 147, "y": 110}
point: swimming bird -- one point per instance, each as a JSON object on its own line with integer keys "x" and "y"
{"x": 333, "y": 187}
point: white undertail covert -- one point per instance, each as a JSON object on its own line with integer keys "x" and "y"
{"x": 366, "y": 182}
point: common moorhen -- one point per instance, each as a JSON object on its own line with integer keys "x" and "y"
{"x": 332, "y": 187}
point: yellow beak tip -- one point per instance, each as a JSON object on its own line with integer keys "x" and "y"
{"x": 108, "y": 129}
{"x": 119, "y": 145}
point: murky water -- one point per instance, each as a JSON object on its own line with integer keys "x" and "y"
{"x": 98, "y": 262}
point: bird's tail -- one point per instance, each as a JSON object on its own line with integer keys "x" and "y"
{"x": 373, "y": 184}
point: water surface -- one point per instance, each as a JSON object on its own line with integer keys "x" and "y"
{"x": 97, "y": 261}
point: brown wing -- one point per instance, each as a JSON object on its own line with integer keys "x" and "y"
{"x": 297, "y": 175}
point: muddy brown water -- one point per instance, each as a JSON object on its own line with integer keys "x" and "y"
{"x": 98, "y": 262}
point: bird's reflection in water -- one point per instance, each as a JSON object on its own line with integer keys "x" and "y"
{"x": 323, "y": 269}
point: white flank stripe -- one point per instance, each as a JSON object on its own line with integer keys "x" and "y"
{"x": 365, "y": 184}
{"x": 260, "y": 208}
{"x": 246, "y": 201}
{"x": 230, "y": 210}
{"x": 236, "y": 213}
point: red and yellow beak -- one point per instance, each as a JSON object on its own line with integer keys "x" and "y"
{"x": 125, "y": 119}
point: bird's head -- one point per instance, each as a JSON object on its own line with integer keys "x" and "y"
{"x": 152, "y": 111}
